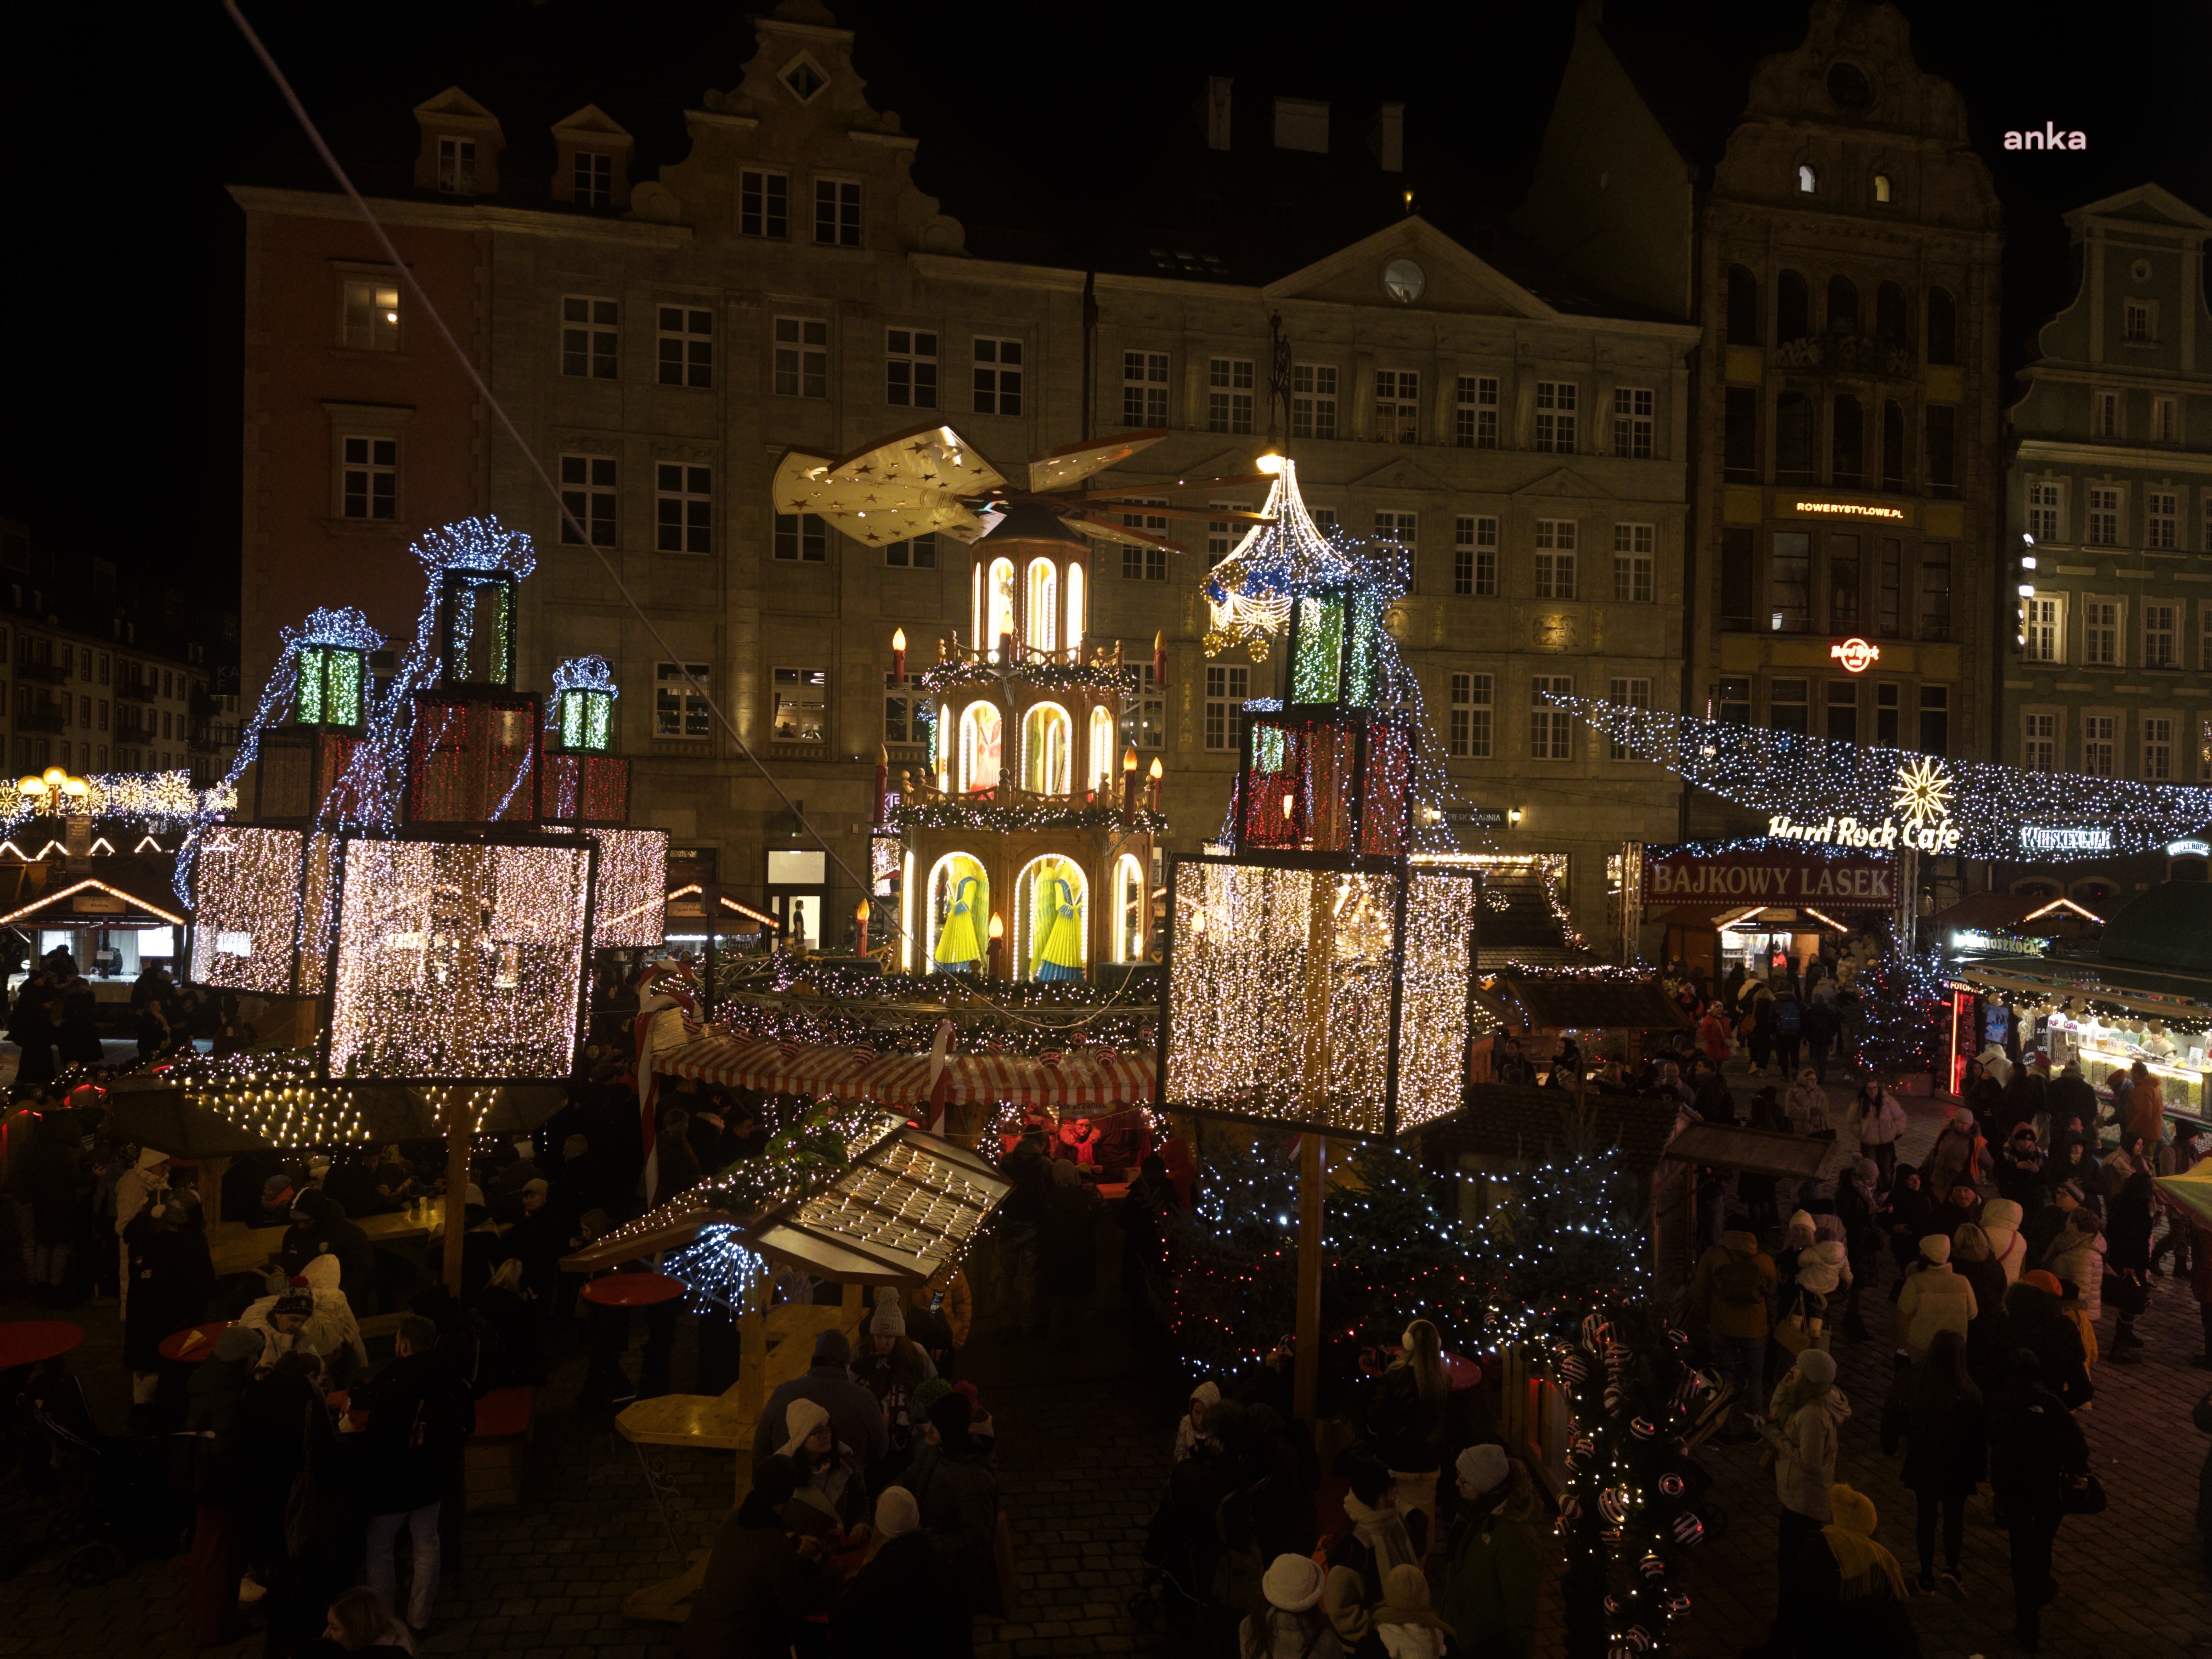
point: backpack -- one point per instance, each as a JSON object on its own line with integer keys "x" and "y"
{"x": 1739, "y": 1282}
{"x": 1785, "y": 1018}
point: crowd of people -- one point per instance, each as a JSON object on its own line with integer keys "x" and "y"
{"x": 2004, "y": 1259}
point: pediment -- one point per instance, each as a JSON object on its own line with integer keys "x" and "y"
{"x": 1563, "y": 481}
{"x": 590, "y": 122}
{"x": 1452, "y": 279}
{"x": 455, "y": 107}
{"x": 1400, "y": 472}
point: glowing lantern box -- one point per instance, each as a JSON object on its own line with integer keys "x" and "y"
{"x": 630, "y": 904}
{"x": 245, "y": 908}
{"x": 1333, "y": 993}
{"x": 1334, "y": 782}
{"x": 460, "y": 958}
{"x": 473, "y": 757}
{"x": 295, "y": 771}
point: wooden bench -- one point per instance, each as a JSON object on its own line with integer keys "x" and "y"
{"x": 491, "y": 1462}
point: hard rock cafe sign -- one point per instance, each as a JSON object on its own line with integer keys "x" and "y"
{"x": 1919, "y": 818}
{"x": 1857, "y": 655}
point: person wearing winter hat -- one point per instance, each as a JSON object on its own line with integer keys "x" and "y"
{"x": 328, "y": 1327}
{"x": 1846, "y": 1593}
{"x": 830, "y": 1497}
{"x": 1495, "y": 1577}
{"x": 1796, "y": 1238}
{"x": 2001, "y": 1219}
{"x": 891, "y": 1372}
{"x": 1407, "y": 1624}
{"x": 898, "y": 1602}
{"x": 1802, "y": 1425}
{"x": 2035, "y": 1318}
{"x": 1973, "y": 1260}
{"x": 1191, "y": 1436}
{"x": 1291, "y": 1626}
{"x": 1933, "y": 1298}
{"x": 756, "y": 1578}
{"x": 1959, "y": 1158}
{"x": 1372, "y": 1541}
{"x": 144, "y": 1182}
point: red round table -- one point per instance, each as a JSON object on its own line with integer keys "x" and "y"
{"x": 172, "y": 1346}
{"x": 632, "y": 1290}
{"x": 27, "y": 1341}
{"x": 1463, "y": 1372}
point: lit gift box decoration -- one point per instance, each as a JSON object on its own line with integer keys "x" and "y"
{"x": 460, "y": 957}
{"x": 585, "y": 782}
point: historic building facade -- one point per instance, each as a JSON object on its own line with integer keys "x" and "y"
{"x": 660, "y": 342}
{"x": 2108, "y": 510}
{"x": 1839, "y": 242}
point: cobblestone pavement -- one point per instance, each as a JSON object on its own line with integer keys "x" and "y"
{"x": 1085, "y": 1423}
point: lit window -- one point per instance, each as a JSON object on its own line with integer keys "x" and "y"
{"x": 680, "y": 704}
{"x": 1807, "y": 181}
{"x": 1882, "y": 187}
{"x": 2046, "y": 509}
{"x": 2044, "y": 639}
{"x": 802, "y": 705}
{"x": 371, "y": 322}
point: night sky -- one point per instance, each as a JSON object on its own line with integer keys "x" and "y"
{"x": 119, "y": 409}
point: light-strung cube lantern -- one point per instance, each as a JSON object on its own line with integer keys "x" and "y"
{"x": 585, "y": 782}
{"x": 629, "y": 906}
{"x": 246, "y": 884}
{"x": 1325, "y": 782}
{"x": 1325, "y": 991}
{"x": 460, "y": 958}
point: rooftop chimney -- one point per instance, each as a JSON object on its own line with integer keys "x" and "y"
{"x": 1217, "y": 112}
{"x": 1388, "y": 138}
{"x": 1301, "y": 124}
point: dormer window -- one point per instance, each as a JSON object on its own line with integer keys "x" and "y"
{"x": 457, "y": 166}
{"x": 594, "y": 175}
{"x": 1807, "y": 182}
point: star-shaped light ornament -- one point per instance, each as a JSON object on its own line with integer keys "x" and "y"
{"x": 1922, "y": 794}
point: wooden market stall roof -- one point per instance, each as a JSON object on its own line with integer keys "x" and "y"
{"x": 1761, "y": 1152}
{"x": 1078, "y": 1077}
{"x": 907, "y": 1203}
{"x": 2027, "y": 915}
{"x": 1514, "y": 1120}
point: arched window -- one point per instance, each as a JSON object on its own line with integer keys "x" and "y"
{"x": 1942, "y": 326}
{"x": 1847, "y": 443}
{"x": 1075, "y": 618}
{"x": 1042, "y": 615}
{"x": 959, "y": 913}
{"x": 1881, "y": 188}
{"x": 981, "y": 735}
{"x": 1002, "y": 602}
{"x": 1889, "y": 315}
{"x": 1843, "y": 306}
{"x": 1742, "y": 306}
{"x": 1132, "y": 910}
{"x": 944, "y": 742}
{"x": 1808, "y": 181}
{"x": 1793, "y": 439}
{"x": 1052, "y": 921}
{"x": 1047, "y": 743}
{"x": 1098, "y": 764}
{"x": 1792, "y": 311}
{"x": 977, "y": 637}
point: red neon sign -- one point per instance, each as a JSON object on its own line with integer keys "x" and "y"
{"x": 1857, "y": 655}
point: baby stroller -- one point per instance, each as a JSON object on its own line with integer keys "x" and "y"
{"x": 103, "y": 1494}
{"x": 1201, "y": 1567}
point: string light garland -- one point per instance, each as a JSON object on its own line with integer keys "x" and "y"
{"x": 246, "y": 923}
{"x": 1823, "y": 791}
{"x": 629, "y": 903}
{"x": 981, "y": 813}
{"x": 458, "y": 959}
{"x": 961, "y": 673}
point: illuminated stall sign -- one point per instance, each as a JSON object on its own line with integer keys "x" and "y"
{"x": 2065, "y": 838}
{"x": 1768, "y": 876}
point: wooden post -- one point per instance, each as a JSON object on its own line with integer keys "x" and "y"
{"x": 752, "y": 1374}
{"x": 212, "y": 1170}
{"x": 1321, "y": 953}
{"x": 453, "y": 1108}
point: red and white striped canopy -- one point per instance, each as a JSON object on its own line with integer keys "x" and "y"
{"x": 1084, "y": 1078}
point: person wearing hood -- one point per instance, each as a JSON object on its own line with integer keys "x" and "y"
{"x": 1803, "y": 1419}
{"x": 758, "y": 1583}
{"x": 1959, "y": 1158}
{"x": 1879, "y": 1121}
{"x": 956, "y": 1483}
{"x": 1936, "y": 1410}
{"x": 2001, "y": 1219}
{"x": 1290, "y": 1623}
{"x": 1933, "y": 1298}
{"x": 1796, "y": 1238}
{"x": 1492, "y": 1587}
{"x": 1193, "y": 1439}
{"x": 327, "y": 1325}
{"x": 831, "y": 1498}
{"x": 2035, "y": 1445}
{"x": 1372, "y": 1541}
{"x": 1807, "y": 1105}
{"x": 320, "y": 1227}
{"x": 171, "y": 1277}
{"x": 1404, "y": 1622}
{"x": 139, "y": 1185}
{"x": 898, "y": 1604}
{"x": 854, "y": 1412}
{"x": 2035, "y": 1319}
{"x": 1960, "y": 1206}
{"x": 2077, "y": 1256}
{"x": 1731, "y": 1300}
{"x": 2019, "y": 1167}
{"x": 1973, "y": 1260}
{"x": 420, "y": 1417}
{"x": 1907, "y": 1217}
{"x": 1855, "y": 1209}
{"x": 1824, "y": 1270}
{"x": 1844, "y": 1596}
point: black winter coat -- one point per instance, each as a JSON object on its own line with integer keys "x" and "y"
{"x": 1946, "y": 1449}
{"x": 2127, "y": 1224}
{"x": 420, "y": 1415}
{"x": 171, "y": 1279}
{"x": 2034, "y": 1442}
{"x": 756, "y": 1589}
{"x": 898, "y": 1604}
{"x": 1407, "y": 1430}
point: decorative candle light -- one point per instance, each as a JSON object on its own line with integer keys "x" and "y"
{"x": 860, "y": 916}
{"x": 898, "y": 656}
{"x": 1160, "y": 658}
{"x": 1128, "y": 783}
{"x": 1155, "y": 774}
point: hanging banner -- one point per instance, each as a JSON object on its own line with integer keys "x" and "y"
{"x": 1688, "y": 876}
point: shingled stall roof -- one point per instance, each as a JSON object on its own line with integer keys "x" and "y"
{"x": 1581, "y": 1002}
{"x": 1508, "y": 1120}
{"x": 1761, "y": 1152}
{"x": 906, "y": 1203}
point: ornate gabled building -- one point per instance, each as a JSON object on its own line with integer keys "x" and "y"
{"x": 664, "y": 327}
{"x": 1828, "y": 223}
{"x": 2109, "y": 494}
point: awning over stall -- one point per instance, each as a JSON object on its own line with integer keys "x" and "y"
{"x": 1078, "y": 1078}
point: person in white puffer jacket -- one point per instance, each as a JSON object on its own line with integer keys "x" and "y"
{"x": 2001, "y": 1219}
{"x": 1934, "y": 1297}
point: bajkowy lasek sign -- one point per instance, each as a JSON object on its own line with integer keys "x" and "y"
{"x": 1778, "y": 875}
